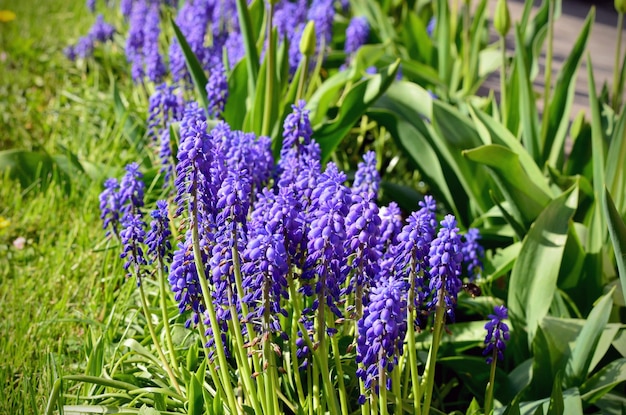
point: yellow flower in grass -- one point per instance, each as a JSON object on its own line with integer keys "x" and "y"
{"x": 6, "y": 16}
{"x": 4, "y": 223}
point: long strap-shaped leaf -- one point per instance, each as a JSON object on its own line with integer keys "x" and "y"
{"x": 617, "y": 231}
{"x": 193, "y": 65}
{"x": 536, "y": 271}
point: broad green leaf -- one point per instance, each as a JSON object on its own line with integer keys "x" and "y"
{"x": 604, "y": 380}
{"x": 458, "y": 337}
{"x": 456, "y": 128}
{"x": 617, "y": 231}
{"x": 474, "y": 374}
{"x": 572, "y": 404}
{"x": 502, "y": 261}
{"x": 248, "y": 35}
{"x": 195, "y": 397}
{"x": 33, "y": 168}
{"x": 146, "y": 410}
{"x": 578, "y": 363}
{"x": 325, "y": 96}
{"x": 473, "y": 408}
{"x": 416, "y": 40}
{"x": 421, "y": 152}
{"x": 355, "y": 103}
{"x": 512, "y": 215}
{"x": 236, "y": 108}
{"x": 527, "y": 107}
{"x": 193, "y": 65}
{"x": 556, "y": 407}
{"x": 598, "y": 234}
{"x": 556, "y": 123}
{"x": 535, "y": 273}
{"x": 611, "y": 404}
{"x": 517, "y": 186}
{"x": 551, "y": 348}
{"x": 608, "y": 338}
{"x": 442, "y": 37}
{"x": 616, "y": 165}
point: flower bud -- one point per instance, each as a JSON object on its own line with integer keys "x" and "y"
{"x": 620, "y": 6}
{"x": 502, "y": 19}
{"x": 308, "y": 40}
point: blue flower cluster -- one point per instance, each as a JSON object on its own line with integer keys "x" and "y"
{"x": 100, "y": 32}
{"x": 260, "y": 231}
{"x": 497, "y": 334}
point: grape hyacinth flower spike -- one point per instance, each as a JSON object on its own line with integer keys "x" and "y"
{"x": 497, "y": 334}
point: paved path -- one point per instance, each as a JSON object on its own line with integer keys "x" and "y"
{"x": 601, "y": 45}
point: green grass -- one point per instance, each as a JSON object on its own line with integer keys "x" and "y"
{"x": 55, "y": 288}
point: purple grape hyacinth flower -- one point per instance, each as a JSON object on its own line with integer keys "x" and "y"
{"x": 381, "y": 333}
{"x": 445, "y": 258}
{"x": 473, "y": 253}
{"x": 366, "y": 178}
{"x": 110, "y": 206}
{"x": 132, "y": 236}
{"x": 158, "y": 237}
{"x": 217, "y": 90}
{"x": 497, "y": 334}
{"x": 356, "y": 34}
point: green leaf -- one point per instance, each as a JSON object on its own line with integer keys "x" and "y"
{"x": 419, "y": 150}
{"x": 617, "y": 231}
{"x": 616, "y": 165}
{"x": 535, "y": 273}
{"x": 557, "y": 407}
{"x": 527, "y": 107}
{"x": 416, "y": 40}
{"x": 249, "y": 37}
{"x": 32, "y": 168}
{"x": 473, "y": 408}
{"x": 598, "y": 234}
{"x": 356, "y": 102}
{"x": 604, "y": 380}
{"x": 501, "y": 135}
{"x": 502, "y": 261}
{"x": 517, "y": 186}
{"x": 580, "y": 359}
{"x": 236, "y": 108}
{"x": 195, "y": 397}
{"x": 146, "y": 410}
{"x": 557, "y": 117}
{"x": 325, "y": 96}
{"x": 474, "y": 374}
{"x": 442, "y": 37}
{"x": 195, "y": 68}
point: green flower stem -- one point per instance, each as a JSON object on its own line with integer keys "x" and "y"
{"x": 396, "y": 388}
{"x": 270, "y": 378}
{"x": 155, "y": 339}
{"x": 467, "y": 76}
{"x": 315, "y": 391}
{"x": 415, "y": 380}
{"x": 304, "y": 67}
{"x": 206, "y": 295}
{"x": 491, "y": 384}
{"x": 316, "y": 71}
{"x": 503, "y": 104}
{"x": 343, "y": 395}
{"x": 412, "y": 352}
{"x": 210, "y": 365}
{"x": 317, "y": 406}
{"x": 548, "y": 74}
{"x": 382, "y": 384}
{"x": 365, "y": 408}
{"x": 292, "y": 344}
{"x": 244, "y": 310}
{"x": 166, "y": 322}
{"x": 323, "y": 354}
{"x": 270, "y": 74}
{"x": 616, "y": 69}
{"x": 429, "y": 372}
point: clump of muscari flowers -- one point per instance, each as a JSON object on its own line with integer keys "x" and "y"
{"x": 278, "y": 259}
{"x": 100, "y": 32}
